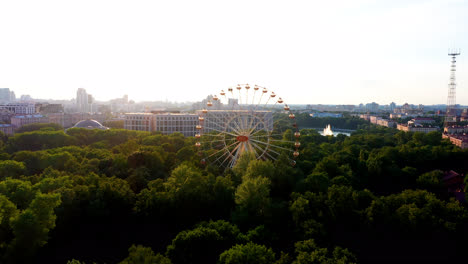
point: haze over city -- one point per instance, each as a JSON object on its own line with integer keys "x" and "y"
{"x": 338, "y": 52}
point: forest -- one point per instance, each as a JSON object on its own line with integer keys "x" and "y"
{"x": 119, "y": 196}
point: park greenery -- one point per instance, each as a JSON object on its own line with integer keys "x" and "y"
{"x": 120, "y": 196}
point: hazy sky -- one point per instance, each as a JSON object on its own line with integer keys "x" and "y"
{"x": 342, "y": 52}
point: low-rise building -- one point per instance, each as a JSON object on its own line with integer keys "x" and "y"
{"x": 8, "y": 129}
{"x": 46, "y": 108}
{"x": 410, "y": 128}
{"x": 386, "y": 123}
{"x": 21, "y": 120}
{"x": 374, "y": 119}
{"x": 166, "y": 123}
{"x": 458, "y": 140}
{"x": 456, "y": 129}
{"x": 140, "y": 121}
{"x": 183, "y": 123}
{"x": 365, "y": 116}
{"x": 324, "y": 114}
{"x": 20, "y": 108}
{"x": 421, "y": 121}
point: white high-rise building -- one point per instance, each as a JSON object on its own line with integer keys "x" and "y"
{"x": 82, "y": 101}
{"x": 5, "y": 95}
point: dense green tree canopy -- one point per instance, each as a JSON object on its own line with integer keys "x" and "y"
{"x": 87, "y": 196}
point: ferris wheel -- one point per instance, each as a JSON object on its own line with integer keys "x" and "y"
{"x": 245, "y": 119}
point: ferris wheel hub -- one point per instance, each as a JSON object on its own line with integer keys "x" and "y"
{"x": 242, "y": 138}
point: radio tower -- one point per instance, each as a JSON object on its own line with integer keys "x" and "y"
{"x": 451, "y": 114}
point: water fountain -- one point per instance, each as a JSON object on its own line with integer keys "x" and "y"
{"x": 327, "y": 131}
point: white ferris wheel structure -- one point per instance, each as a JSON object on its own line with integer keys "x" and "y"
{"x": 246, "y": 119}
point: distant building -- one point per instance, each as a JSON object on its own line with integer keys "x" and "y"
{"x": 46, "y": 108}
{"x": 409, "y": 128}
{"x": 166, "y": 123}
{"x": 365, "y": 116}
{"x": 458, "y": 140}
{"x": 464, "y": 115}
{"x": 25, "y": 97}
{"x": 5, "y": 115}
{"x": 119, "y": 104}
{"x": 386, "y": 123}
{"x": 392, "y": 106}
{"x": 5, "y": 95}
{"x": 21, "y": 120}
{"x": 70, "y": 119}
{"x": 456, "y": 130}
{"x": 372, "y": 107}
{"x": 183, "y": 123}
{"x": 104, "y": 109}
{"x": 233, "y": 102}
{"x": 8, "y": 129}
{"x": 420, "y": 121}
{"x": 90, "y": 124}
{"x": 20, "y": 108}
{"x": 140, "y": 122}
{"x": 455, "y": 184}
{"x": 83, "y": 101}
{"x": 12, "y": 96}
{"x": 333, "y": 115}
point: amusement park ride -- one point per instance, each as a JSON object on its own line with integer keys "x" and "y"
{"x": 251, "y": 119}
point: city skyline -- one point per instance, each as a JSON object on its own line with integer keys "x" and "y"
{"x": 307, "y": 52}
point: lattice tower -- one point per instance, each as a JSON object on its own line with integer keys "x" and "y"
{"x": 451, "y": 113}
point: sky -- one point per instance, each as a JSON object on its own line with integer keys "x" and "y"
{"x": 316, "y": 52}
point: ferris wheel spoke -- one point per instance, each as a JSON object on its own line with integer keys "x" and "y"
{"x": 223, "y": 132}
{"x": 234, "y": 156}
{"x": 270, "y": 145}
{"x": 245, "y": 119}
{"x": 260, "y": 136}
{"x": 213, "y": 135}
{"x": 268, "y": 100}
{"x": 253, "y": 98}
{"x": 252, "y": 130}
{"x": 251, "y": 149}
{"x": 259, "y": 101}
{"x": 224, "y": 154}
{"x": 253, "y": 117}
{"x": 267, "y": 148}
{"x": 237, "y": 124}
{"x": 260, "y": 150}
{"x": 217, "y": 152}
{"x": 210, "y": 141}
{"x": 226, "y": 151}
{"x": 283, "y": 148}
{"x": 269, "y": 155}
{"x": 284, "y": 141}
{"x": 219, "y": 122}
{"x": 265, "y": 152}
{"x": 260, "y": 130}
